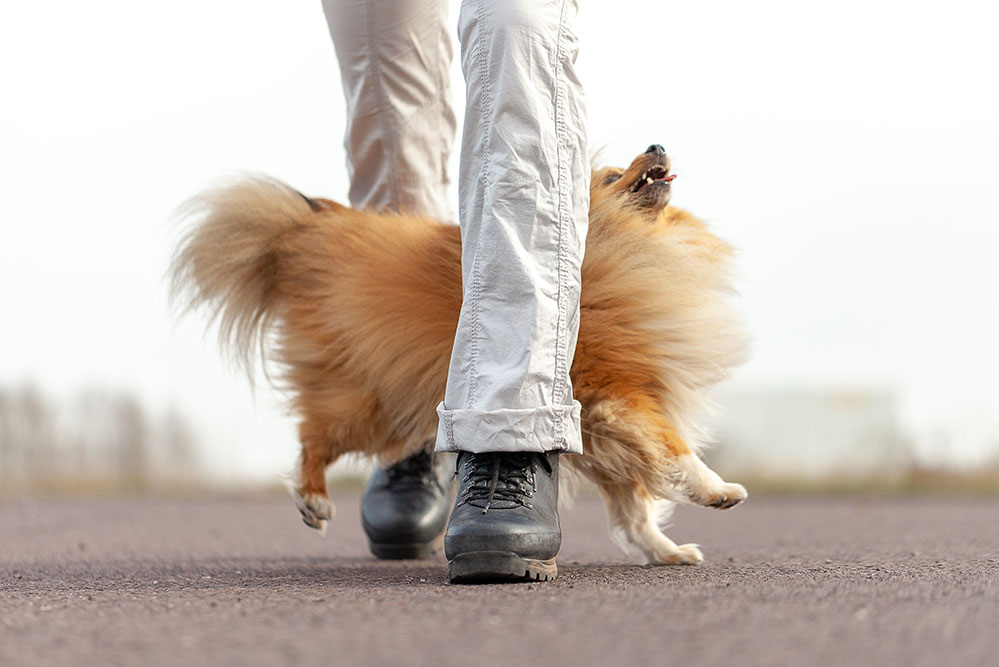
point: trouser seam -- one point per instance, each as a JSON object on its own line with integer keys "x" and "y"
{"x": 475, "y": 278}
{"x": 449, "y": 427}
{"x": 561, "y": 342}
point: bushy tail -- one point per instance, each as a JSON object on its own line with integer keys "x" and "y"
{"x": 228, "y": 258}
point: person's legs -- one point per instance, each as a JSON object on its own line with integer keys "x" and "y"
{"x": 394, "y": 58}
{"x": 523, "y": 200}
{"x": 523, "y": 205}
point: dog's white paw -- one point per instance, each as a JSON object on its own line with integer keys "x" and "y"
{"x": 729, "y": 495}
{"x": 703, "y": 486}
{"x": 683, "y": 554}
{"x": 316, "y": 509}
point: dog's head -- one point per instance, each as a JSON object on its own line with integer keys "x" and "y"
{"x": 645, "y": 185}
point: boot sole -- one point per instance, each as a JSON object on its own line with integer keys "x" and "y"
{"x": 414, "y": 551}
{"x": 407, "y": 550}
{"x": 478, "y": 567}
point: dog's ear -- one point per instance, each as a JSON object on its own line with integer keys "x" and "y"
{"x": 605, "y": 176}
{"x": 318, "y": 205}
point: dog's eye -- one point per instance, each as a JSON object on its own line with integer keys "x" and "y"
{"x": 611, "y": 178}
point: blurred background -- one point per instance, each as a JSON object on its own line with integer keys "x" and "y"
{"x": 848, "y": 151}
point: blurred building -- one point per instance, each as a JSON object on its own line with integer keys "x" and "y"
{"x": 810, "y": 433}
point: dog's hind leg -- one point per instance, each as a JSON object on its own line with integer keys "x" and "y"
{"x": 632, "y": 513}
{"x": 319, "y": 451}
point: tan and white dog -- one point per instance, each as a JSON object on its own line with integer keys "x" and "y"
{"x": 358, "y": 310}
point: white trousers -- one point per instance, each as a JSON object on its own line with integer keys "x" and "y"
{"x": 523, "y": 193}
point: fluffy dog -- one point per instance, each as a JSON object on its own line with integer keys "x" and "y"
{"x": 359, "y": 309}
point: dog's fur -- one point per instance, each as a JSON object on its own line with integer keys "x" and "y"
{"x": 359, "y": 309}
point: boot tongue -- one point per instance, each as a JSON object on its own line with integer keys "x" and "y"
{"x": 500, "y": 481}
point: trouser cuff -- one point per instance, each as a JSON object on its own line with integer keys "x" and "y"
{"x": 542, "y": 429}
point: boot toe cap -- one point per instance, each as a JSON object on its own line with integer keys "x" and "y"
{"x": 395, "y": 518}
{"x": 527, "y": 539}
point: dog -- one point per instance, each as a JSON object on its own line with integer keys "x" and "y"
{"x": 358, "y": 310}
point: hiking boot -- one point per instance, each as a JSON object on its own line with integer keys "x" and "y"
{"x": 504, "y": 526}
{"x": 404, "y": 507}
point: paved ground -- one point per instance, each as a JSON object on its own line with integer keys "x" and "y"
{"x": 241, "y": 581}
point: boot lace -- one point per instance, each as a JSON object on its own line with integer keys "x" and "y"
{"x": 500, "y": 480}
{"x": 414, "y": 472}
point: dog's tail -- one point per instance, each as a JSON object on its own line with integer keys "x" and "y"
{"x": 228, "y": 260}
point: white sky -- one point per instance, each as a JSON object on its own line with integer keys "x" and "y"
{"x": 849, "y": 150}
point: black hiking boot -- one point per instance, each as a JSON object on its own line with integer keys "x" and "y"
{"x": 504, "y": 526}
{"x": 404, "y": 507}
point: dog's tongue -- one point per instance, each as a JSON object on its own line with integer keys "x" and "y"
{"x": 668, "y": 178}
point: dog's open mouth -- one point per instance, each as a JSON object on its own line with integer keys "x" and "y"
{"x": 653, "y": 176}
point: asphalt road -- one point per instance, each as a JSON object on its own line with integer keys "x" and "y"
{"x": 214, "y": 581}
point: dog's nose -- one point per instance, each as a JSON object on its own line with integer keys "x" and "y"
{"x": 657, "y": 149}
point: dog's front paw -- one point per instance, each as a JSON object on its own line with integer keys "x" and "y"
{"x": 703, "y": 486}
{"x": 684, "y": 554}
{"x": 316, "y": 509}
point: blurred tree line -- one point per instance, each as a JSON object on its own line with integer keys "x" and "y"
{"x": 96, "y": 440}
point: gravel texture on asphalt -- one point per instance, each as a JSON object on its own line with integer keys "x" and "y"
{"x": 239, "y": 580}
